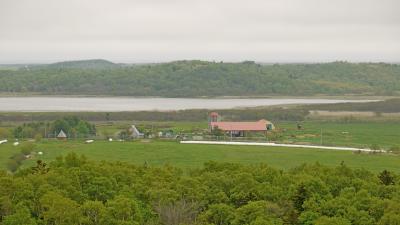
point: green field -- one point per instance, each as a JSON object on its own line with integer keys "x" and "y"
{"x": 362, "y": 134}
{"x": 191, "y": 156}
{"x": 352, "y": 134}
{"x": 359, "y": 134}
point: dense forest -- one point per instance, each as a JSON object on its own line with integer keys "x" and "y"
{"x": 200, "y": 78}
{"x": 74, "y": 190}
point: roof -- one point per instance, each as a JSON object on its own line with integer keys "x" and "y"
{"x": 260, "y": 125}
{"x": 61, "y": 134}
{"x": 214, "y": 114}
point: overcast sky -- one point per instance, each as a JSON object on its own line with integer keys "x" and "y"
{"x": 41, "y": 31}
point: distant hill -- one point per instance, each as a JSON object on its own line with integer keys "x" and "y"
{"x": 200, "y": 78}
{"x": 83, "y": 64}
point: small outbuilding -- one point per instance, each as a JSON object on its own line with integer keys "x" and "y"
{"x": 135, "y": 133}
{"x": 62, "y": 135}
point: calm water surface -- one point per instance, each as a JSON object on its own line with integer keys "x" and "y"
{"x": 117, "y": 104}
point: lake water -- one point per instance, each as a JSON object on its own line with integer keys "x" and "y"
{"x": 117, "y": 104}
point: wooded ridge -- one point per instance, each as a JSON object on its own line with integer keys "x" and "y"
{"x": 201, "y": 78}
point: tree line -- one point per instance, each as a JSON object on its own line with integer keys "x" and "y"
{"x": 74, "y": 190}
{"x": 200, "y": 78}
{"x": 273, "y": 114}
{"x": 71, "y": 125}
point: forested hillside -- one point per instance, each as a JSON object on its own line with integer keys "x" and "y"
{"x": 199, "y": 78}
{"x": 83, "y": 64}
{"x": 74, "y": 191}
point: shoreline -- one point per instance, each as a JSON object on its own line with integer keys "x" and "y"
{"x": 334, "y": 97}
{"x": 122, "y": 104}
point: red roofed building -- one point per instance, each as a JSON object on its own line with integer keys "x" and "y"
{"x": 239, "y": 128}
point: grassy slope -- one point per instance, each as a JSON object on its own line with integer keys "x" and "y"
{"x": 189, "y": 156}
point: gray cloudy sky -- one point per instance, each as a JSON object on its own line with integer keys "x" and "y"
{"x": 38, "y": 31}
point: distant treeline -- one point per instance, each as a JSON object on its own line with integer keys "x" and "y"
{"x": 387, "y": 106}
{"x": 273, "y": 114}
{"x": 200, "y": 78}
{"x": 71, "y": 125}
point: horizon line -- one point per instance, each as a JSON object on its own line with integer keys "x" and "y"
{"x": 204, "y": 60}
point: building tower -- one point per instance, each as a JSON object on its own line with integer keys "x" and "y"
{"x": 213, "y": 117}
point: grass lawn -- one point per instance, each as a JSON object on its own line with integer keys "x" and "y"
{"x": 190, "y": 156}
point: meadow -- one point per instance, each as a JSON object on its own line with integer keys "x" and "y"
{"x": 185, "y": 156}
{"x": 346, "y": 132}
{"x": 360, "y": 134}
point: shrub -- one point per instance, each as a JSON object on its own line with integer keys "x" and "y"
{"x": 4, "y": 133}
{"x": 386, "y": 178}
{"x": 375, "y": 147}
{"x": 217, "y": 132}
{"x": 38, "y": 137}
{"x": 12, "y": 165}
{"x": 395, "y": 149}
{"x": 274, "y": 136}
{"x": 19, "y": 157}
{"x": 27, "y": 148}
